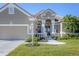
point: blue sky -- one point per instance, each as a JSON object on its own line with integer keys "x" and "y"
{"x": 60, "y": 8}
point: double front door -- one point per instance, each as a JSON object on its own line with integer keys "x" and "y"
{"x": 48, "y": 27}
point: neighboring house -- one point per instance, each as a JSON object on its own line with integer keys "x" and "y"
{"x": 16, "y": 23}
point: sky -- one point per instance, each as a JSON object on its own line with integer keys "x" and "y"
{"x": 61, "y": 9}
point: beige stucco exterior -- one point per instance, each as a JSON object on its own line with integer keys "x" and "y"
{"x": 21, "y": 19}
{"x": 13, "y": 32}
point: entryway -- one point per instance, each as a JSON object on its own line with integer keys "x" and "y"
{"x": 48, "y": 27}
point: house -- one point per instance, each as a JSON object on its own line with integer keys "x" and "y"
{"x": 17, "y": 23}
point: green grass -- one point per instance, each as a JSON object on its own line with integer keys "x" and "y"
{"x": 71, "y": 48}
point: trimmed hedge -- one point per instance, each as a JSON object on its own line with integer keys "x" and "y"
{"x": 69, "y": 36}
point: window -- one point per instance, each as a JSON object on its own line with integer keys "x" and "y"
{"x": 11, "y": 9}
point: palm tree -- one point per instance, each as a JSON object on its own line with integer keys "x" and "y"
{"x": 70, "y": 23}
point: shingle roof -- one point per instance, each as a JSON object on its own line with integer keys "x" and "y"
{"x": 37, "y": 14}
{"x": 42, "y": 11}
{"x": 59, "y": 18}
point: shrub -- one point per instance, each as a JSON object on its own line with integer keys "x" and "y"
{"x": 56, "y": 37}
{"x": 35, "y": 41}
{"x": 69, "y": 36}
{"x": 29, "y": 39}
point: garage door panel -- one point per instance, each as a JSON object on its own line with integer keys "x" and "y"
{"x": 13, "y": 32}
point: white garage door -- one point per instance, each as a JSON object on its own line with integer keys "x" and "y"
{"x": 13, "y": 32}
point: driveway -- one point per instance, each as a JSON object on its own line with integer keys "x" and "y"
{"x": 8, "y": 45}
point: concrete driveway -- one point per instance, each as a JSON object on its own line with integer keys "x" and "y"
{"x": 8, "y": 45}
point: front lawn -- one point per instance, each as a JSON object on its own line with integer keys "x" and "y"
{"x": 71, "y": 48}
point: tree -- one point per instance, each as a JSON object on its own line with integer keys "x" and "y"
{"x": 71, "y": 23}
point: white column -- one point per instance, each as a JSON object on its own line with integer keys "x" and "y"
{"x": 32, "y": 27}
{"x": 43, "y": 26}
{"x": 28, "y": 29}
{"x": 52, "y": 26}
{"x": 61, "y": 29}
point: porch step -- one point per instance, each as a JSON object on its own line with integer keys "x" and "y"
{"x": 49, "y": 38}
{"x": 54, "y": 42}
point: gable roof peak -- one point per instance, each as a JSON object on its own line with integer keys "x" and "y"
{"x": 50, "y": 10}
{"x": 16, "y": 6}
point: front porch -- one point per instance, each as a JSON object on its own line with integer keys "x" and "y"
{"x": 46, "y": 26}
{"x": 47, "y": 30}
